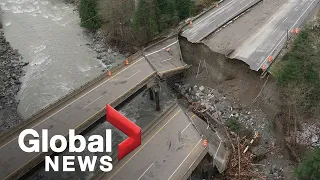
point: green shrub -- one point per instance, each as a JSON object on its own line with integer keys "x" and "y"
{"x": 300, "y": 70}
{"x": 154, "y": 16}
{"x": 234, "y": 125}
{"x": 185, "y": 8}
{"x": 145, "y": 19}
{"x": 309, "y": 169}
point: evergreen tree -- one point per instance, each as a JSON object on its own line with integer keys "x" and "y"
{"x": 89, "y": 15}
{"x": 185, "y": 8}
{"x": 145, "y": 19}
{"x": 166, "y": 13}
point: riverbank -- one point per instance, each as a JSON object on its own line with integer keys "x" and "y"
{"x": 62, "y": 55}
{"x": 11, "y": 65}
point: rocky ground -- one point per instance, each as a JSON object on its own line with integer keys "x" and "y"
{"x": 11, "y": 65}
{"x": 275, "y": 163}
{"x": 108, "y": 55}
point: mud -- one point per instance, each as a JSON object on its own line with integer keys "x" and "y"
{"x": 243, "y": 95}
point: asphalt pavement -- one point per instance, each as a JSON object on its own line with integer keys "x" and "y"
{"x": 215, "y": 18}
{"x": 77, "y": 112}
{"x": 167, "y": 152}
{"x": 259, "y": 50}
{"x": 165, "y": 56}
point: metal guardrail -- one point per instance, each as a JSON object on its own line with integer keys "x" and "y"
{"x": 64, "y": 98}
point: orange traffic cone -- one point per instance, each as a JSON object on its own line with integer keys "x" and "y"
{"x": 292, "y": 31}
{"x": 205, "y": 143}
{"x": 190, "y": 23}
{"x": 168, "y": 49}
{"x": 264, "y": 67}
{"x": 297, "y": 30}
{"x": 217, "y": 5}
{"x": 270, "y": 58}
{"x": 109, "y": 73}
{"x": 127, "y": 61}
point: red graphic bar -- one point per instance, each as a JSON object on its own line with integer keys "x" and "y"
{"x": 126, "y": 126}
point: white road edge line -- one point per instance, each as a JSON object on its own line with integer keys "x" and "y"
{"x": 186, "y": 127}
{"x": 210, "y": 14}
{"x": 273, "y": 32}
{"x": 224, "y": 22}
{"x": 217, "y": 151}
{"x": 145, "y": 172}
{"x": 92, "y": 102}
{"x": 166, "y": 60}
{"x": 261, "y": 30}
{"x": 286, "y": 35}
{"x": 185, "y": 159}
{"x": 76, "y": 99}
{"x": 133, "y": 74}
{"x": 162, "y": 48}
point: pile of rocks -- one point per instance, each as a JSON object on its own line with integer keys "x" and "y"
{"x": 104, "y": 53}
{"x": 309, "y": 135}
{"x": 217, "y": 104}
{"x": 276, "y": 173}
{"x": 10, "y": 73}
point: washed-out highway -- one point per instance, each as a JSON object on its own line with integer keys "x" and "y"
{"x": 173, "y": 147}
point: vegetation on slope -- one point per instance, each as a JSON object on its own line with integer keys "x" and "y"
{"x": 89, "y": 14}
{"x": 310, "y": 166}
{"x": 153, "y": 16}
{"x": 299, "y": 81}
{"x": 135, "y": 23}
{"x": 299, "y": 75}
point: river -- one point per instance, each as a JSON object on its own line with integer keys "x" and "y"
{"x": 48, "y": 36}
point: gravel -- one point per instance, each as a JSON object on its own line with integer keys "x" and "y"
{"x": 218, "y": 103}
{"x": 11, "y": 65}
{"x": 105, "y": 53}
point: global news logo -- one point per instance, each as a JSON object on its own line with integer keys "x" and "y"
{"x": 77, "y": 144}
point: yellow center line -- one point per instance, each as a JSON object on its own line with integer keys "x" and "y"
{"x": 144, "y": 145}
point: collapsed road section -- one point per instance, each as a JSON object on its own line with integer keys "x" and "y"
{"x": 172, "y": 150}
{"x": 215, "y": 18}
{"x": 165, "y": 56}
{"x": 261, "y": 49}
